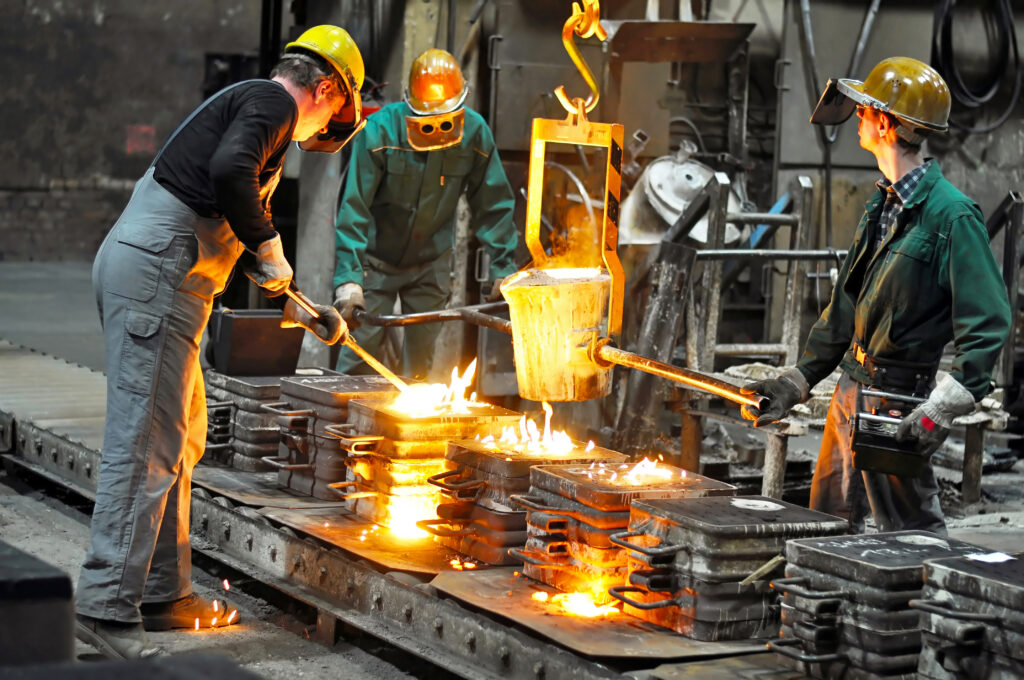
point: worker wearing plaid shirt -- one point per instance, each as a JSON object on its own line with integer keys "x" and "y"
{"x": 920, "y": 273}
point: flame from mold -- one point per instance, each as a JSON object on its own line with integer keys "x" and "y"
{"x": 530, "y": 439}
{"x": 423, "y": 400}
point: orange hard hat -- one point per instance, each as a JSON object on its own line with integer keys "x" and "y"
{"x": 436, "y": 84}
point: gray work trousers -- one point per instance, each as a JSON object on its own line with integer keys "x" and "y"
{"x": 895, "y": 503}
{"x": 155, "y": 277}
{"x": 420, "y": 289}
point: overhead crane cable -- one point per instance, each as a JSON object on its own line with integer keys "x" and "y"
{"x": 943, "y": 59}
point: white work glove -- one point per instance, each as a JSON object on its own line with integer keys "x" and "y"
{"x": 348, "y": 297}
{"x": 783, "y": 392}
{"x": 270, "y": 269}
{"x": 330, "y": 327}
{"x": 930, "y": 422}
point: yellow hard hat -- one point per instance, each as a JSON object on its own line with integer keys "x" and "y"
{"x": 906, "y": 88}
{"x": 436, "y": 84}
{"x": 336, "y": 46}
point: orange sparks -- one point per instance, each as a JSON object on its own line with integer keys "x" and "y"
{"x": 213, "y": 622}
{"x": 197, "y": 623}
{"x": 541, "y": 596}
{"x": 216, "y": 605}
{"x": 232, "y": 615}
{"x": 469, "y": 565}
{"x": 227, "y": 586}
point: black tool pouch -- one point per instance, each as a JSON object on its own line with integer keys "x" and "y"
{"x": 878, "y": 417}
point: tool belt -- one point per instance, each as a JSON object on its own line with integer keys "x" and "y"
{"x": 904, "y": 376}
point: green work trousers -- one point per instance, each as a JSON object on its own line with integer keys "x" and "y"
{"x": 423, "y": 288}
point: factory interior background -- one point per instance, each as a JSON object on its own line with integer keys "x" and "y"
{"x": 716, "y": 162}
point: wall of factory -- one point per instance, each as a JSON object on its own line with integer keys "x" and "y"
{"x": 90, "y": 92}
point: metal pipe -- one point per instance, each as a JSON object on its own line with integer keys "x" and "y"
{"x": 437, "y": 316}
{"x": 781, "y": 219}
{"x": 374, "y": 363}
{"x": 747, "y": 254}
{"x": 702, "y": 381}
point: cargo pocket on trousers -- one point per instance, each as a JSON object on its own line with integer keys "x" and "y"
{"x": 139, "y": 351}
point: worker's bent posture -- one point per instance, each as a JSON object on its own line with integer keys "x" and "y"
{"x": 203, "y": 203}
{"x": 920, "y": 273}
{"x": 395, "y": 227}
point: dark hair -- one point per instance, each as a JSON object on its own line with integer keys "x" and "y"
{"x": 306, "y": 70}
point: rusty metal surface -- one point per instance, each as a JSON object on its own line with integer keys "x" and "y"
{"x": 763, "y": 666}
{"x": 367, "y": 540}
{"x": 336, "y": 390}
{"x": 376, "y": 417}
{"x": 510, "y": 463}
{"x": 255, "y": 489}
{"x": 261, "y": 388}
{"x": 581, "y": 483}
{"x": 500, "y": 593}
{"x": 886, "y": 560}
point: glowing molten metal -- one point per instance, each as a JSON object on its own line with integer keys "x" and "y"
{"x": 423, "y": 400}
{"x": 576, "y": 604}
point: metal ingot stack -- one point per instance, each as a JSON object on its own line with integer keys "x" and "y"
{"x": 309, "y": 459}
{"x": 392, "y": 454}
{"x": 691, "y": 559}
{"x": 846, "y": 602}
{"x": 972, "y": 617}
{"x": 573, "y": 511}
{"x": 240, "y": 432}
{"x": 477, "y": 515}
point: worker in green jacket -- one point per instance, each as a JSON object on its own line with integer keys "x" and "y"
{"x": 920, "y": 273}
{"x": 396, "y": 223}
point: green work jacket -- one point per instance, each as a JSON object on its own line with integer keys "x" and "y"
{"x": 398, "y": 205}
{"x": 934, "y": 279}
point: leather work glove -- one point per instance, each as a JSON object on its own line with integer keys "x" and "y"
{"x": 783, "y": 392}
{"x": 930, "y": 422}
{"x": 495, "y": 293}
{"x": 330, "y": 327}
{"x": 269, "y": 269}
{"x": 348, "y": 297}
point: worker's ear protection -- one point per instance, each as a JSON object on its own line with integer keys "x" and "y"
{"x": 834, "y": 107}
{"x": 439, "y": 131}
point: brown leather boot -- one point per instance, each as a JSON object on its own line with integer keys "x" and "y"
{"x": 116, "y": 640}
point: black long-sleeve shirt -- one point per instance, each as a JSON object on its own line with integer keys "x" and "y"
{"x": 233, "y": 146}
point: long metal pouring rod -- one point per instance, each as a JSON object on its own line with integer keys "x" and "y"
{"x": 614, "y": 355}
{"x": 302, "y": 301}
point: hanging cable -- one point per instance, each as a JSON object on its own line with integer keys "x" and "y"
{"x": 943, "y": 59}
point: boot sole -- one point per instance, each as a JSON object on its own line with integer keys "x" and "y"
{"x": 90, "y": 637}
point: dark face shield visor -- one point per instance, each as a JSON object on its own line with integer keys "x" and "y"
{"x": 342, "y": 127}
{"x": 834, "y": 107}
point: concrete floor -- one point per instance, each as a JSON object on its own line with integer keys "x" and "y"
{"x": 50, "y": 307}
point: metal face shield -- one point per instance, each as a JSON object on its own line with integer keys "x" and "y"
{"x": 835, "y": 105}
{"x": 342, "y": 127}
{"x": 440, "y": 131}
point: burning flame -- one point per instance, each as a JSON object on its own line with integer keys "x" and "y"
{"x": 531, "y": 440}
{"x": 459, "y": 565}
{"x": 647, "y": 471}
{"x": 422, "y": 400}
{"x": 576, "y": 604}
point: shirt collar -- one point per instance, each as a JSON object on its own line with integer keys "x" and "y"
{"x": 905, "y": 185}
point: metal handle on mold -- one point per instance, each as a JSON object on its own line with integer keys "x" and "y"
{"x": 617, "y": 593}
{"x": 283, "y": 464}
{"x": 530, "y": 558}
{"x": 434, "y": 526}
{"x": 455, "y": 487}
{"x": 784, "y": 647}
{"x": 935, "y": 607}
{"x": 795, "y": 585}
{"x": 622, "y": 540}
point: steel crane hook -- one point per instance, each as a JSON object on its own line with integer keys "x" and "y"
{"x": 585, "y": 23}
